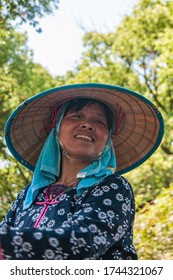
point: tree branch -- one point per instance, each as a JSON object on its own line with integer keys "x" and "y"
{"x": 148, "y": 83}
{"x": 166, "y": 150}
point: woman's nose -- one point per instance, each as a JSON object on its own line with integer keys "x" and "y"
{"x": 87, "y": 125}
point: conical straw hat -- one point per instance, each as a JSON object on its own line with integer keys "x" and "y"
{"x": 138, "y": 133}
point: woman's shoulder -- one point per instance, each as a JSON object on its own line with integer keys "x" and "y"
{"x": 116, "y": 179}
{"x": 116, "y": 183}
{"x": 20, "y": 197}
{"x": 23, "y": 192}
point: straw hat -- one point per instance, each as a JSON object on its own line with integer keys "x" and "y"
{"x": 138, "y": 133}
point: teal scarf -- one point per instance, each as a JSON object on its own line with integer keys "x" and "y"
{"x": 47, "y": 169}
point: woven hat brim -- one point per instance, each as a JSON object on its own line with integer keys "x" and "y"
{"x": 139, "y": 124}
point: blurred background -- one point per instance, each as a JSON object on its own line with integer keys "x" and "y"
{"x": 45, "y": 44}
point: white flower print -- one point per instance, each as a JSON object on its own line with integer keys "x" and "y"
{"x": 3, "y": 224}
{"x": 69, "y": 216}
{"x": 18, "y": 219}
{"x": 84, "y": 193}
{"x": 21, "y": 224}
{"x": 51, "y": 223}
{"x": 42, "y": 226}
{"x": 125, "y": 183}
{"x": 3, "y": 230}
{"x": 103, "y": 240}
{"x": 81, "y": 242}
{"x": 105, "y": 218}
{"x": 53, "y": 242}
{"x": 83, "y": 229}
{"x": 100, "y": 239}
{"x": 61, "y": 211}
{"x": 59, "y": 231}
{"x": 23, "y": 213}
{"x": 32, "y": 212}
{"x": 63, "y": 197}
{"x": 93, "y": 228}
{"x": 66, "y": 224}
{"x": 88, "y": 209}
{"x": 17, "y": 254}
{"x": 78, "y": 242}
{"x": 14, "y": 205}
{"x": 129, "y": 207}
{"x": 125, "y": 224}
{"x": 124, "y": 208}
{"x": 74, "y": 222}
{"x": 119, "y": 197}
{"x": 114, "y": 186}
{"x": 35, "y": 217}
{"x": 107, "y": 201}
{"x": 97, "y": 192}
{"x": 44, "y": 220}
{"x": 41, "y": 196}
{"x": 21, "y": 194}
{"x": 17, "y": 240}
{"x": 80, "y": 218}
{"x": 120, "y": 229}
{"x": 106, "y": 188}
{"x": 117, "y": 237}
{"x": 97, "y": 240}
{"x": 111, "y": 214}
{"x": 127, "y": 200}
{"x": 38, "y": 235}
{"x": 26, "y": 247}
{"x": 48, "y": 254}
{"x": 102, "y": 215}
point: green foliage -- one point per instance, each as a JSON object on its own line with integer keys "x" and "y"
{"x": 100, "y": 64}
{"x": 150, "y": 178}
{"x": 13, "y": 177}
{"x": 22, "y": 11}
{"x": 154, "y": 228}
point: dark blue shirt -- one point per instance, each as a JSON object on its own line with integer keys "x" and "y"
{"x": 95, "y": 225}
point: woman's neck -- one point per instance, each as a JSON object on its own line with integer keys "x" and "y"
{"x": 69, "y": 170}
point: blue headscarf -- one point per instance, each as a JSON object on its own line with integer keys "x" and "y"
{"x": 47, "y": 169}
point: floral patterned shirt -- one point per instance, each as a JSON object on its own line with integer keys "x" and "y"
{"x": 95, "y": 225}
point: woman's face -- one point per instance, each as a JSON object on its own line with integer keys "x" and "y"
{"x": 83, "y": 134}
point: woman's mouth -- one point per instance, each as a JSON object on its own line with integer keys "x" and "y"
{"x": 84, "y": 137}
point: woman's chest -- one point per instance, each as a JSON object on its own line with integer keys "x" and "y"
{"x": 46, "y": 213}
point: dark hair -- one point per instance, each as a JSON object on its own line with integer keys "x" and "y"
{"x": 77, "y": 104}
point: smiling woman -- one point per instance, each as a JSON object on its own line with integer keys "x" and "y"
{"x": 84, "y": 130}
{"x": 78, "y": 139}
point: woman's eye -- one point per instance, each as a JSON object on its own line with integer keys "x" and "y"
{"x": 100, "y": 122}
{"x": 76, "y": 116}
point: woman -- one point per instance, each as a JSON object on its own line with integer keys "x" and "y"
{"x": 78, "y": 206}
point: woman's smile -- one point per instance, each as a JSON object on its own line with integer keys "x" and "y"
{"x": 84, "y": 137}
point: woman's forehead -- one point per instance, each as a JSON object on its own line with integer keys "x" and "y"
{"x": 93, "y": 106}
